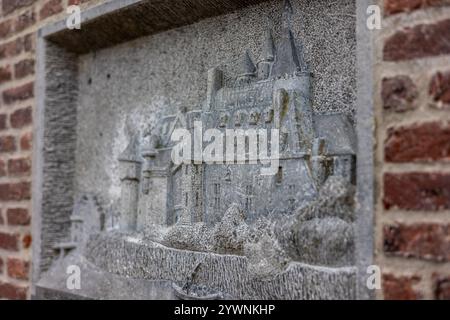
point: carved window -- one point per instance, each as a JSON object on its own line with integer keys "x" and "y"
{"x": 217, "y": 196}
{"x": 279, "y": 175}
{"x": 186, "y": 198}
{"x": 248, "y": 197}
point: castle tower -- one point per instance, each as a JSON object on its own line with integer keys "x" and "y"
{"x": 288, "y": 58}
{"x": 265, "y": 64}
{"x": 215, "y": 79}
{"x": 130, "y": 168}
{"x": 248, "y": 70}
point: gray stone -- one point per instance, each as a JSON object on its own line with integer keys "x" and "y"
{"x": 141, "y": 227}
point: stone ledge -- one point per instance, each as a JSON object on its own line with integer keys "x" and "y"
{"x": 120, "y": 21}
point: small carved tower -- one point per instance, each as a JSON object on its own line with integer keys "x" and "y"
{"x": 130, "y": 168}
{"x": 248, "y": 70}
{"x": 265, "y": 64}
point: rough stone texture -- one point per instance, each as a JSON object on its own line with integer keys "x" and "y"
{"x": 400, "y": 287}
{"x": 423, "y": 241}
{"x": 399, "y": 94}
{"x": 59, "y": 141}
{"x": 420, "y": 142}
{"x": 416, "y": 191}
{"x": 181, "y": 60}
{"x": 130, "y": 258}
{"x": 418, "y": 42}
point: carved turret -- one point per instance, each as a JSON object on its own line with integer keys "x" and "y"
{"x": 265, "y": 64}
{"x": 248, "y": 69}
{"x": 130, "y": 168}
{"x": 215, "y": 78}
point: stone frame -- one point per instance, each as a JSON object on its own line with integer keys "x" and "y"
{"x": 55, "y": 112}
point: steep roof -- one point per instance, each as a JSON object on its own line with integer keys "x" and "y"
{"x": 338, "y": 132}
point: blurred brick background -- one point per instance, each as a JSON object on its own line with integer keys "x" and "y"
{"x": 412, "y": 107}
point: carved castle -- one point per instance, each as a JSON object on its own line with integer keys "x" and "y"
{"x": 276, "y": 93}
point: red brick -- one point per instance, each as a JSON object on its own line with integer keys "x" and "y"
{"x": 15, "y": 191}
{"x": 50, "y": 8}
{"x": 400, "y": 287}
{"x": 440, "y": 87}
{"x": 12, "y": 292}
{"x": 441, "y": 287}
{"x": 5, "y": 74}
{"x": 7, "y": 144}
{"x": 11, "y": 5}
{"x": 9, "y": 241}
{"x": 2, "y": 168}
{"x": 397, "y": 6}
{"x": 1, "y": 265}
{"x": 26, "y": 241}
{"x": 20, "y": 93}
{"x": 423, "y": 142}
{"x": 423, "y": 241}
{"x": 25, "y": 20}
{"x": 18, "y": 217}
{"x": 399, "y": 94}
{"x": 19, "y": 167}
{"x": 26, "y": 141}
{"x": 1, "y": 220}
{"x": 417, "y": 191}
{"x": 24, "y": 68}
{"x": 18, "y": 269}
{"x": 3, "y": 121}
{"x": 5, "y": 29}
{"x": 421, "y": 41}
{"x": 21, "y": 117}
{"x": 15, "y": 47}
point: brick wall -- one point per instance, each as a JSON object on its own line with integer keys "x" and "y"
{"x": 413, "y": 149}
{"x": 19, "y": 20}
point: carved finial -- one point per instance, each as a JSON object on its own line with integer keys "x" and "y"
{"x": 248, "y": 67}
{"x": 288, "y": 12}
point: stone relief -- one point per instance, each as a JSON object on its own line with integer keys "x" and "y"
{"x": 202, "y": 224}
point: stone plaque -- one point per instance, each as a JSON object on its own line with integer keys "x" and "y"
{"x": 213, "y": 158}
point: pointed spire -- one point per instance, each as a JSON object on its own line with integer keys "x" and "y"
{"x": 269, "y": 49}
{"x": 248, "y": 67}
{"x": 287, "y": 61}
